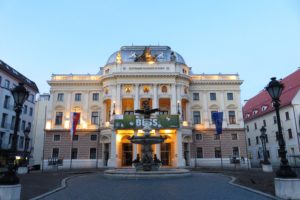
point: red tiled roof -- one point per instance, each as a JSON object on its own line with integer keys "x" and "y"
{"x": 291, "y": 87}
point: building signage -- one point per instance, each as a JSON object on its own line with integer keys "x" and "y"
{"x": 132, "y": 122}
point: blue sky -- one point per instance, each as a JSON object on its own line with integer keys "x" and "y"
{"x": 257, "y": 39}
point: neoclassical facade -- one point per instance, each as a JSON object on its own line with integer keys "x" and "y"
{"x": 132, "y": 75}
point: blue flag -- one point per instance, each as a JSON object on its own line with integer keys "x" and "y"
{"x": 218, "y": 120}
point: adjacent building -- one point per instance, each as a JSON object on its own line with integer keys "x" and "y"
{"x": 132, "y": 75}
{"x": 9, "y": 78}
{"x": 258, "y": 112}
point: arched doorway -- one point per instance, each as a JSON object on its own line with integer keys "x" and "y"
{"x": 127, "y": 151}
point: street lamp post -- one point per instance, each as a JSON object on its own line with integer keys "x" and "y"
{"x": 263, "y": 138}
{"x": 20, "y": 94}
{"x": 275, "y": 89}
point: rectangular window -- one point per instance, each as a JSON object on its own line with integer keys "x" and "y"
{"x": 74, "y": 153}
{"x": 25, "y": 109}
{"x": 196, "y": 96}
{"x": 217, "y": 152}
{"x": 264, "y": 122}
{"x": 30, "y": 111}
{"x": 217, "y": 137}
{"x": 95, "y": 96}
{"x": 58, "y": 118}
{"x": 56, "y": 137}
{"x": 78, "y": 97}
{"x": 258, "y": 155}
{"x": 60, "y": 97}
{"x": 75, "y": 137}
{"x": 232, "y": 119}
{"x": 290, "y": 133}
{"x": 21, "y": 142}
{"x": 4, "y": 120}
{"x": 92, "y": 153}
{"x": 234, "y": 136}
{"x": 6, "y": 84}
{"x": 23, "y": 125}
{"x": 196, "y": 117}
{"x": 257, "y": 140}
{"x": 287, "y": 115}
{"x": 93, "y": 137}
{"x": 235, "y": 152}
{"x": 55, "y": 152}
{"x": 255, "y": 126}
{"x": 213, "y": 96}
{"x": 199, "y": 152}
{"x": 94, "y": 118}
{"x": 249, "y": 142}
{"x": 275, "y": 119}
{"x": 229, "y": 96}
{"x": 247, "y": 128}
{"x": 6, "y": 104}
{"x": 29, "y": 125}
{"x": 198, "y": 136}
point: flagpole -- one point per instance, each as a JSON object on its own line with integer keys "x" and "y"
{"x": 221, "y": 151}
{"x": 71, "y": 151}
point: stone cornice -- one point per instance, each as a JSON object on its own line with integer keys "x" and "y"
{"x": 216, "y": 82}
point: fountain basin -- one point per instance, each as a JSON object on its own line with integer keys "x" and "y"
{"x": 129, "y": 173}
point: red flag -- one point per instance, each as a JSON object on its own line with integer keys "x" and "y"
{"x": 74, "y": 121}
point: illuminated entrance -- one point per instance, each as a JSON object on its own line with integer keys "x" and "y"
{"x": 126, "y": 154}
{"x": 165, "y": 154}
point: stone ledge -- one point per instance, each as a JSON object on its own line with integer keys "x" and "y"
{"x": 287, "y": 188}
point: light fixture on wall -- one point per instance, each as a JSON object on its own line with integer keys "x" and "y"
{"x": 114, "y": 107}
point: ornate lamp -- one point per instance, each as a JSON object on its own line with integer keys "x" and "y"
{"x": 275, "y": 89}
{"x": 263, "y": 138}
{"x": 20, "y": 94}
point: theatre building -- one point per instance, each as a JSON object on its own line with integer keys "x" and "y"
{"x": 106, "y": 102}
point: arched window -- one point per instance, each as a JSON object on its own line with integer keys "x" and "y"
{"x": 146, "y": 89}
{"x": 164, "y": 89}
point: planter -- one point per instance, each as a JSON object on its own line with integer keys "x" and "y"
{"x": 287, "y": 188}
{"x": 10, "y": 192}
{"x": 267, "y": 168}
{"x": 22, "y": 170}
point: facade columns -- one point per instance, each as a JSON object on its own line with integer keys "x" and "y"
{"x": 113, "y": 90}
{"x": 179, "y": 153}
{"x": 155, "y": 97}
{"x": 134, "y": 147}
{"x": 113, "y": 149}
{"x": 118, "y": 100}
{"x": 206, "y": 114}
{"x": 136, "y": 97}
{"x": 173, "y": 100}
{"x": 157, "y": 146}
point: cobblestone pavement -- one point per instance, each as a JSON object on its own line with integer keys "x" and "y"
{"x": 198, "y": 186}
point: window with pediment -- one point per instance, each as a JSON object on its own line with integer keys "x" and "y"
{"x": 185, "y": 90}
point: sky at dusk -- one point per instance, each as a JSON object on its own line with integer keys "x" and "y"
{"x": 256, "y": 39}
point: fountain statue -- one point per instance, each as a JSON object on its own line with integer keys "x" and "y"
{"x": 147, "y": 162}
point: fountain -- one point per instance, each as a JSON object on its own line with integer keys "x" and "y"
{"x": 147, "y": 163}
{"x": 148, "y": 166}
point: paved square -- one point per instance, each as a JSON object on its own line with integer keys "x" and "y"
{"x": 198, "y": 186}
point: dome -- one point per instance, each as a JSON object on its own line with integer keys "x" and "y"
{"x": 128, "y": 54}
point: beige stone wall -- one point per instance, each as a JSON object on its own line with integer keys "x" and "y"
{"x": 208, "y": 143}
{"x": 83, "y": 144}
